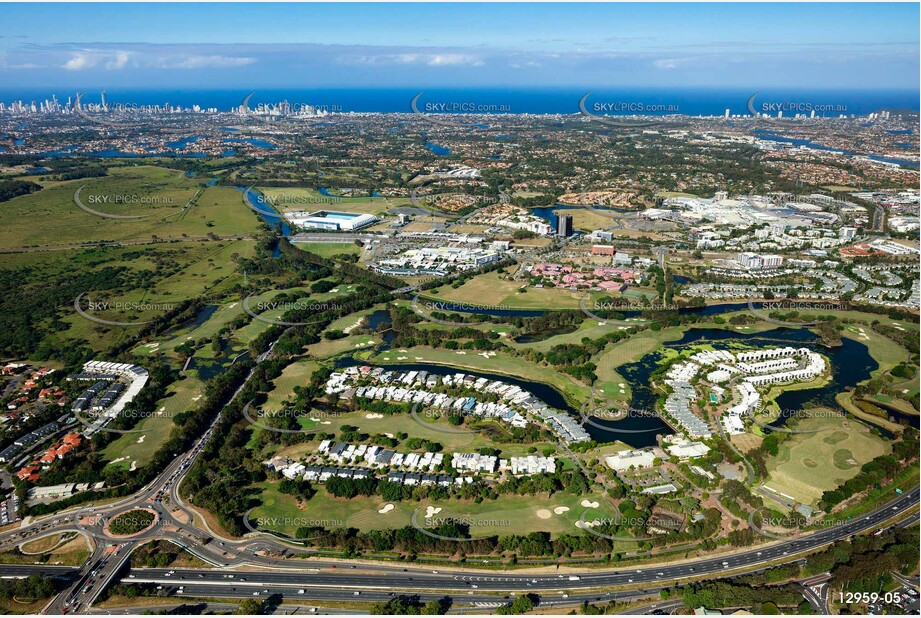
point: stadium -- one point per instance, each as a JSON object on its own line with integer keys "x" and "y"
{"x": 331, "y": 220}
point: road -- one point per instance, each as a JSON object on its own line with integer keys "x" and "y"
{"x": 333, "y": 580}
{"x": 339, "y": 581}
{"x": 447, "y": 578}
{"x": 178, "y": 523}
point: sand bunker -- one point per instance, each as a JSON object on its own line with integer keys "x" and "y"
{"x": 560, "y": 510}
{"x": 387, "y": 508}
{"x": 589, "y": 505}
{"x": 431, "y": 511}
{"x": 374, "y": 416}
{"x": 544, "y": 514}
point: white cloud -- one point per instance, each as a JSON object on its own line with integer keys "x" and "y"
{"x": 80, "y": 61}
{"x": 415, "y": 58}
{"x": 120, "y": 61}
{"x": 437, "y": 60}
{"x": 666, "y": 63}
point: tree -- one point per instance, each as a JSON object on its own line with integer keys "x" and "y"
{"x": 250, "y": 607}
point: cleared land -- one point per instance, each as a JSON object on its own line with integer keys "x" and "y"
{"x": 51, "y": 217}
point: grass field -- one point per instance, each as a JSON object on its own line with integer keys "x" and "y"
{"x": 152, "y": 279}
{"x": 329, "y": 348}
{"x": 505, "y": 516}
{"x": 628, "y": 351}
{"x": 810, "y": 464}
{"x": 493, "y": 289}
{"x": 137, "y": 449}
{"x": 429, "y": 429}
{"x": 51, "y": 217}
{"x": 71, "y": 553}
{"x": 329, "y": 249}
{"x": 202, "y": 269}
{"x": 299, "y": 199}
{"x": 499, "y": 363}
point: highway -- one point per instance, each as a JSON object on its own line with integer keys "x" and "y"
{"x": 178, "y": 523}
{"x": 291, "y": 571}
{"x": 335, "y": 578}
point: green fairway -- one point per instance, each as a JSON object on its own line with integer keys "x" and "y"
{"x": 507, "y": 515}
{"x": 491, "y": 362}
{"x": 494, "y": 289}
{"x": 134, "y": 450}
{"x": 810, "y": 464}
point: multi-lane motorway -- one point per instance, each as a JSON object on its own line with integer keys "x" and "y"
{"x": 331, "y": 580}
{"x": 178, "y": 523}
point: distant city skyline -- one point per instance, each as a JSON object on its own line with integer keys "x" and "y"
{"x": 214, "y": 46}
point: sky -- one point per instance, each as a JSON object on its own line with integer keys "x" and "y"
{"x": 240, "y": 46}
